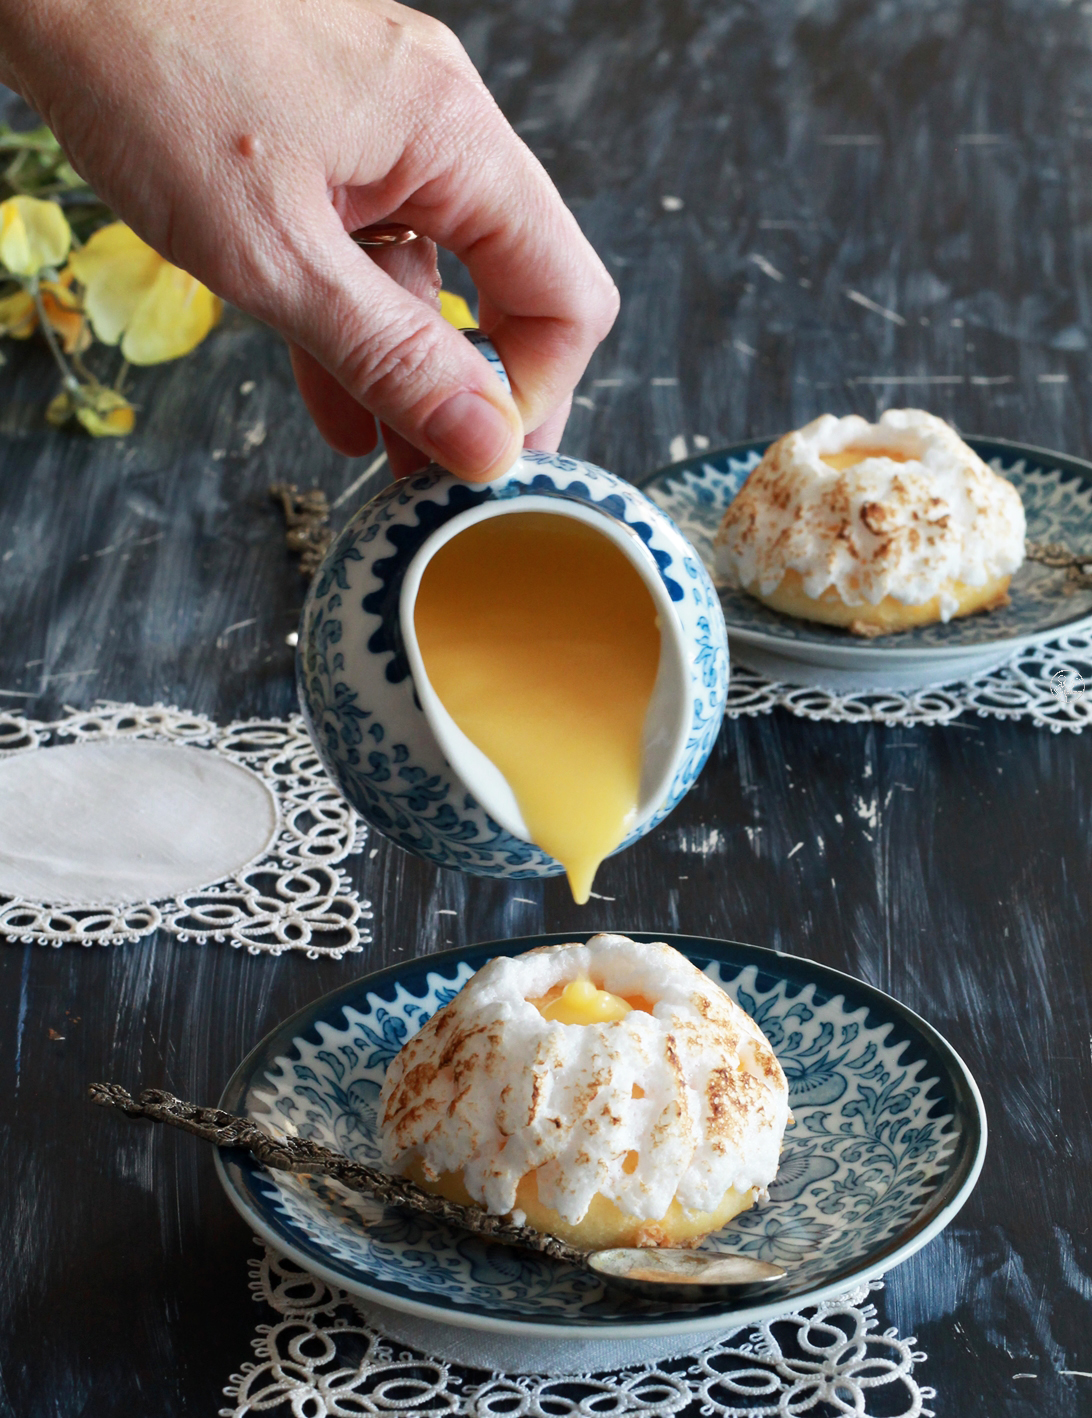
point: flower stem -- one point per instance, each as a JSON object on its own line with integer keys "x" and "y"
{"x": 81, "y": 368}
{"x": 70, "y": 380}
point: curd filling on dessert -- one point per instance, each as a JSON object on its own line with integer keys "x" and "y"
{"x": 542, "y": 642}
{"x": 850, "y": 457}
{"x": 582, "y": 1002}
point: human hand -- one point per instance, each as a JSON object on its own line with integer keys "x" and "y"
{"x": 244, "y": 140}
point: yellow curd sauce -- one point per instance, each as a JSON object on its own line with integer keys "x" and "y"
{"x": 541, "y": 641}
{"x": 850, "y": 457}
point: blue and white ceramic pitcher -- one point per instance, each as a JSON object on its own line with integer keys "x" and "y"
{"x": 385, "y": 738}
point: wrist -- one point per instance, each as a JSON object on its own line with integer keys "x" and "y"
{"x": 46, "y": 45}
{"x": 24, "y": 27}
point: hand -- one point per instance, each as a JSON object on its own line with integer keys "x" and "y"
{"x": 244, "y": 140}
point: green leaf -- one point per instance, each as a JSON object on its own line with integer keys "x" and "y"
{"x": 37, "y": 140}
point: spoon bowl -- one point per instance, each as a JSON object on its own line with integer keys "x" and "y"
{"x": 669, "y": 1273}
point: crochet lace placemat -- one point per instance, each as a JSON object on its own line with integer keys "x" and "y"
{"x": 1049, "y": 685}
{"x": 124, "y": 820}
{"x": 318, "y": 1355}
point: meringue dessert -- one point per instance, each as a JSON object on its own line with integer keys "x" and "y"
{"x": 542, "y": 642}
{"x": 608, "y": 1093}
{"x": 874, "y": 527}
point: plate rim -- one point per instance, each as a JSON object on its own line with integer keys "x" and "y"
{"x": 866, "y": 655}
{"x": 887, "y": 1256}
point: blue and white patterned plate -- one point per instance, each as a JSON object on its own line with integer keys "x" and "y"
{"x": 889, "y": 1140}
{"x": 1057, "y": 495}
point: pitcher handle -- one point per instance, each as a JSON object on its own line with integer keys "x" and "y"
{"x": 484, "y": 345}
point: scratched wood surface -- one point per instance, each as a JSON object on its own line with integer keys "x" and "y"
{"x": 807, "y": 206}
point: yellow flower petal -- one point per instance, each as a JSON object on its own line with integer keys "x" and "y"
{"x": 63, "y": 311}
{"x": 33, "y": 235}
{"x": 133, "y": 295}
{"x": 103, "y": 412}
{"x": 174, "y": 316}
{"x": 18, "y": 316}
{"x": 117, "y": 270}
{"x": 456, "y": 312}
{"x": 106, "y": 415}
{"x": 62, "y": 288}
{"x": 61, "y": 408}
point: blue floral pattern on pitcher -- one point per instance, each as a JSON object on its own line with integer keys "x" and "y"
{"x": 876, "y": 1133}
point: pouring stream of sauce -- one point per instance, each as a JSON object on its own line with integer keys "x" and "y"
{"x": 541, "y": 640}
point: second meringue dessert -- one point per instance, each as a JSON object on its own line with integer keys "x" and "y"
{"x": 608, "y": 1093}
{"x": 875, "y": 527}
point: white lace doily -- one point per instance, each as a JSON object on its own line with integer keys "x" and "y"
{"x": 1051, "y": 685}
{"x": 321, "y": 1358}
{"x": 285, "y": 889}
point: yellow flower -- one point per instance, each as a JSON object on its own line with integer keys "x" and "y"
{"x": 131, "y": 294}
{"x": 103, "y": 412}
{"x": 65, "y": 313}
{"x": 33, "y": 235}
{"x": 19, "y": 315}
{"x": 106, "y": 414}
{"x": 456, "y": 312}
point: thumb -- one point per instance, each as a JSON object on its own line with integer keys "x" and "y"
{"x": 398, "y": 358}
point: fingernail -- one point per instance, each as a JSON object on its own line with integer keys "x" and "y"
{"x": 469, "y": 432}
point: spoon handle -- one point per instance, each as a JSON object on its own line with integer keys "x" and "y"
{"x": 298, "y": 1154}
{"x": 1077, "y": 565}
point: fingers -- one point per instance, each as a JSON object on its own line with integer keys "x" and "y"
{"x": 402, "y": 456}
{"x": 548, "y": 434}
{"x": 343, "y": 421}
{"x": 395, "y": 354}
{"x": 413, "y": 266}
{"x": 434, "y": 394}
{"x": 546, "y": 300}
{"x": 463, "y": 177}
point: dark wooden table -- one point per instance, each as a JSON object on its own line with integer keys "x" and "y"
{"x": 760, "y": 177}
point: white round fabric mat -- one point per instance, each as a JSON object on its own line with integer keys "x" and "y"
{"x": 125, "y": 820}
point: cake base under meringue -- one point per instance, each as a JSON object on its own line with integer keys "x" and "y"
{"x": 889, "y": 615}
{"x": 603, "y": 1224}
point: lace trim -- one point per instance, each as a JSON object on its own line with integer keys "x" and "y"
{"x": 322, "y": 1359}
{"x": 294, "y": 897}
{"x": 1049, "y": 684}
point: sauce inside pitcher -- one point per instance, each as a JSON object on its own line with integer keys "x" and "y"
{"x": 542, "y": 642}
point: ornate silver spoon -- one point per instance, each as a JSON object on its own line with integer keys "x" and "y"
{"x": 656, "y": 1273}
